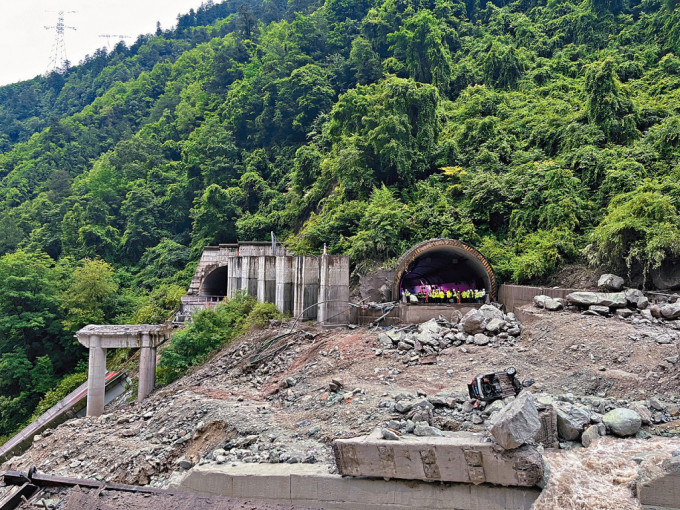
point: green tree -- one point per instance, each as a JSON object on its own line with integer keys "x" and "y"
{"x": 88, "y": 298}
{"x": 607, "y": 105}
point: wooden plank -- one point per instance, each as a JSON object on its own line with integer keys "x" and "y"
{"x": 456, "y": 457}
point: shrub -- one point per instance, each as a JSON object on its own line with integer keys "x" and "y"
{"x": 209, "y": 330}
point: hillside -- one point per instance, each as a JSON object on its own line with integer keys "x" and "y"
{"x": 542, "y": 133}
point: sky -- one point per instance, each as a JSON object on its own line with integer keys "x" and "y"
{"x": 25, "y": 44}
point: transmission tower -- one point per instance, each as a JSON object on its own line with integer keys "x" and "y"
{"x": 58, "y": 61}
{"x": 113, "y": 36}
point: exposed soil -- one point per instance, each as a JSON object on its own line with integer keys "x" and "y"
{"x": 267, "y": 398}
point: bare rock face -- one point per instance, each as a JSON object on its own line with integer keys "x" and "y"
{"x": 516, "y": 423}
{"x": 610, "y": 282}
{"x": 473, "y": 322}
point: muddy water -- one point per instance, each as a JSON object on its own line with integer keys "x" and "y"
{"x": 601, "y": 477}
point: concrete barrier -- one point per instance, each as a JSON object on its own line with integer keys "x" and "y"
{"x": 456, "y": 457}
{"x": 658, "y": 487}
{"x": 311, "y": 485}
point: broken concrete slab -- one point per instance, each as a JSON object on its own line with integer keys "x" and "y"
{"x": 658, "y": 487}
{"x": 456, "y": 457}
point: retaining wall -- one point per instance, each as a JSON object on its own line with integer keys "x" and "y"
{"x": 514, "y": 296}
{"x": 312, "y": 486}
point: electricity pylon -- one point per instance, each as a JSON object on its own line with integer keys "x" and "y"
{"x": 58, "y": 61}
{"x": 113, "y": 36}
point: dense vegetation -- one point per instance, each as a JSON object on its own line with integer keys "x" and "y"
{"x": 540, "y": 131}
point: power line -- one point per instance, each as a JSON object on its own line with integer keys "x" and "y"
{"x": 113, "y": 36}
{"x": 58, "y": 61}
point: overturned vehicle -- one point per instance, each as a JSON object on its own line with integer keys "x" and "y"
{"x": 497, "y": 385}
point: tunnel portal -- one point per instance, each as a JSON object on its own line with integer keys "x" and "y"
{"x": 447, "y": 264}
{"x": 215, "y": 283}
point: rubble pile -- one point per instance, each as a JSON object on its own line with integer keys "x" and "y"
{"x": 424, "y": 415}
{"x": 627, "y": 304}
{"x": 487, "y": 325}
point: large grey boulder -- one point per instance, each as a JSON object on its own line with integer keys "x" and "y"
{"x": 636, "y": 298}
{"x": 610, "y": 282}
{"x": 539, "y": 301}
{"x": 481, "y": 339}
{"x": 591, "y": 434}
{"x": 671, "y": 311}
{"x": 643, "y": 411}
{"x": 571, "y": 420}
{"x": 473, "y": 322}
{"x": 495, "y": 325}
{"x": 491, "y": 312}
{"x": 553, "y": 305}
{"x": 611, "y": 299}
{"x": 516, "y": 423}
{"x": 622, "y": 422}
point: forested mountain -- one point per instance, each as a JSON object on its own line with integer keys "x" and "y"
{"x": 541, "y": 132}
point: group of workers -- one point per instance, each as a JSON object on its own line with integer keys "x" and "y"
{"x": 436, "y": 294}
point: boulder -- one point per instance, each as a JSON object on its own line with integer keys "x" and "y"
{"x": 655, "y": 310}
{"x": 516, "y": 423}
{"x": 539, "y": 301}
{"x": 591, "y": 434}
{"x": 495, "y": 325}
{"x": 636, "y": 298}
{"x": 422, "y": 429}
{"x": 671, "y": 311}
{"x": 622, "y": 422}
{"x": 610, "y": 299}
{"x": 553, "y": 305}
{"x": 571, "y": 420}
{"x": 610, "y": 282}
{"x": 600, "y": 310}
{"x": 624, "y": 312}
{"x": 641, "y": 409}
{"x": 582, "y": 298}
{"x": 384, "y": 341}
{"x": 473, "y": 322}
{"x": 491, "y": 312}
{"x": 481, "y": 339}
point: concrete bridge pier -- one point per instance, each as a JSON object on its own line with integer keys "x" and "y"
{"x": 96, "y": 377}
{"x": 99, "y": 338}
{"x": 147, "y": 367}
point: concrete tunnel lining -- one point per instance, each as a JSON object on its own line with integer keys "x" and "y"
{"x": 215, "y": 282}
{"x": 438, "y": 260}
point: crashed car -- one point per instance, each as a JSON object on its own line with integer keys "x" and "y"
{"x": 497, "y": 385}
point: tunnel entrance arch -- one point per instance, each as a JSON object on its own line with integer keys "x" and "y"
{"x": 448, "y": 263}
{"x": 214, "y": 283}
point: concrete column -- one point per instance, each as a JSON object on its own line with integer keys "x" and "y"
{"x": 234, "y": 276}
{"x": 336, "y": 290}
{"x": 305, "y": 285}
{"x": 147, "y": 367}
{"x": 245, "y": 271}
{"x": 96, "y": 377}
{"x": 298, "y": 286}
{"x": 261, "y": 298}
{"x": 323, "y": 289}
{"x": 284, "y": 284}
